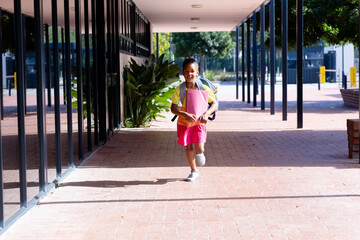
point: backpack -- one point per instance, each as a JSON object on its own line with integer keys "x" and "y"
{"x": 200, "y": 82}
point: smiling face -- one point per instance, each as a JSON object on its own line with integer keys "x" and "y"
{"x": 190, "y": 71}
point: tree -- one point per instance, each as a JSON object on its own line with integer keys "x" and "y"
{"x": 333, "y": 21}
{"x": 164, "y": 44}
{"x": 210, "y": 44}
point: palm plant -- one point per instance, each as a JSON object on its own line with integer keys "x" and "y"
{"x": 148, "y": 88}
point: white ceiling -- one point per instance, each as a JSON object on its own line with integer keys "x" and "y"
{"x": 166, "y": 15}
{"x": 215, "y": 15}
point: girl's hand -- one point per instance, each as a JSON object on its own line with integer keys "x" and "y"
{"x": 204, "y": 118}
{"x": 190, "y": 117}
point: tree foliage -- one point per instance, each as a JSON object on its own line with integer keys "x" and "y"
{"x": 206, "y": 44}
{"x": 164, "y": 44}
{"x": 333, "y": 21}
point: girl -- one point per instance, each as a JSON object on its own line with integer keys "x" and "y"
{"x": 190, "y": 131}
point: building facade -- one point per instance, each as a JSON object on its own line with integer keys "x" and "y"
{"x": 62, "y": 90}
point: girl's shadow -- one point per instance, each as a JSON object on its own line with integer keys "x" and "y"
{"x": 117, "y": 184}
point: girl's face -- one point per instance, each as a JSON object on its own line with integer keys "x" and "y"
{"x": 190, "y": 72}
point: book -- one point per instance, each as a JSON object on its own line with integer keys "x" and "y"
{"x": 197, "y": 102}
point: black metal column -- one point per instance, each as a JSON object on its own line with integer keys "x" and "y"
{"x": 157, "y": 46}
{"x": 68, "y": 83}
{"x": 109, "y": 72}
{"x": 284, "y": 29}
{"x": 1, "y": 71}
{"x": 243, "y": 60}
{"x": 25, "y": 77}
{"x": 237, "y": 62}
{"x": 79, "y": 79}
{"x": 95, "y": 73}
{"x": 299, "y": 61}
{"x": 2, "y": 219}
{"x": 101, "y": 68}
{"x": 88, "y": 77}
{"x": 40, "y": 95}
{"x": 63, "y": 64}
{"x": 262, "y": 57}
{"x": 359, "y": 62}
{"x": 248, "y": 59}
{"x": 20, "y": 100}
{"x": 272, "y": 56}
{"x": 48, "y": 64}
{"x": 56, "y": 86}
{"x": 118, "y": 70}
{"x": 254, "y": 59}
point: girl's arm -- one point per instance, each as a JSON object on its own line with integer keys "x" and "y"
{"x": 204, "y": 118}
{"x": 188, "y": 117}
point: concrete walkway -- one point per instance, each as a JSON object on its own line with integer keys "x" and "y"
{"x": 264, "y": 179}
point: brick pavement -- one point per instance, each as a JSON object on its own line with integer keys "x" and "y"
{"x": 264, "y": 179}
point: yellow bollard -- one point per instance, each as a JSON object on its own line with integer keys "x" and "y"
{"x": 322, "y": 74}
{"x": 15, "y": 85}
{"x": 353, "y": 77}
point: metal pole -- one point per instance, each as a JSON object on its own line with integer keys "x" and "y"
{"x": 343, "y": 72}
{"x": 63, "y": 63}
{"x": 262, "y": 43}
{"x": 2, "y": 220}
{"x": 118, "y": 70}
{"x": 299, "y": 61}
{"x": 20, "y": 101}
{"x": 25, "y": 76}
{"x": 56, "y": 87}
{"x": 284, "y": 29}
{"x": 248, "y": 60}
{"x": 110, "y": 66}
{"x": 88, "y": 77}
{"x": 40, "y": 95}
{"x": 157, "y": 46}
{"x": 48, "y": 64}
{"x": 101, "y": 68}
{"x": 272, "y": 57}
{"x": 243, "y": 60}
{"x": 359, "y": 65}
{"x": 95, "y": 72}
{"x": 254, "y": 58}
{"x": 237, "y": 62}
{"x": 1, "y": 74}
{"x": 79, "y": 79}
{"x": 68, "y": 83}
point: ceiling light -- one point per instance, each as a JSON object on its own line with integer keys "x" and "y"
{"x": 197, "y": 6}
{"x": 195, "y": 19}
{"x": 194, "y": 27}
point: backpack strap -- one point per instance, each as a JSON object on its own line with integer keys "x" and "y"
{"x": 198, "y": 83}
{"x": 182, "y": 92}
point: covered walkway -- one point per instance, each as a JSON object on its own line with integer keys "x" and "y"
{"x": 262, "y": 180}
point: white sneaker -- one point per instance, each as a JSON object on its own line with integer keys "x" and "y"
{"x": 200, "y": 159}
{"x": 192, "y": 176}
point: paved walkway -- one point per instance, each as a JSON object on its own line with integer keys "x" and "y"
{"x": 264, "y": 179}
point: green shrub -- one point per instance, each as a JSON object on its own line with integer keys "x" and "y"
{"x": 148, "y": 88}
{"x": 209, "y": 74}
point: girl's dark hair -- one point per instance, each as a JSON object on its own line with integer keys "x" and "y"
{"x": 189, "y": 60}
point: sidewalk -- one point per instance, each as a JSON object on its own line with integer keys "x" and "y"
{"x": 264, "y": 179}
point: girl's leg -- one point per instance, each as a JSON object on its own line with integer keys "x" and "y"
{"x": 199, "y": 153}
{"x": 190, "y": 156}
{"x": 200, "y": 147}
